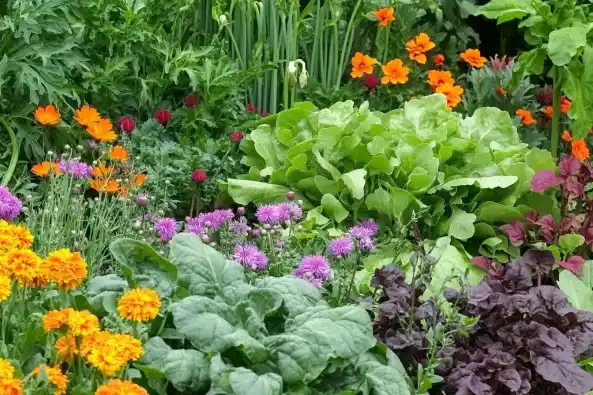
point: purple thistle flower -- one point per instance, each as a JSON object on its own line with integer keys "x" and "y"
{"x": 166, "y": 227}
{"x": 313, "y": 267}
{"x": 360, "y": 232}
{"x": 370, "y": 225}
{"x": 341, "y": 247}
{"x": 10, "y": 205}
{"x": 289, "y": 211}
{"x": 212, "y": 221}
{"x": 75, "y": 168}
{"x": 268, "y": 214}
{"x": 249, "y": 256}
{"x": 240, "y": 226}
{"x": 366, "y": 244}
{"x": 195, "y": 226}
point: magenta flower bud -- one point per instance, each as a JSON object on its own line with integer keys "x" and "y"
{"x": 241, "y": 211}
{"x": 141, "y": 200}
{"x": 92, "y": 144}
{"x": 290, "y": 196}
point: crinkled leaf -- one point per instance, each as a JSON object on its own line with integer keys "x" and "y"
{"x": 298, "y": 295}
{"x": 545, "y": 179}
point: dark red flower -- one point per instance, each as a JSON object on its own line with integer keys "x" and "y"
{"x": 290, "y": 196}
{"x": 237, "y": 136}
{"x": 545, "y": 96}
{"x": 126, "y": 124}
{"x": 250, "y": 107}
{"x": 162, "y": 116}
{"x": 192, "y": 100}
{"x": 198, "y": 176}
{"x": 371, "y": 81}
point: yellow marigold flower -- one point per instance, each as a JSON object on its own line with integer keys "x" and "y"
{"x": 6, "y": 369}
{"x": 55, "y": 376}
{"x": 10, "y": 386}
{"x": 87, "y": 115}
{"x": 56, "y": 319}
{"x": 67, "y": 269}
{"x": 48, "y": 115}
{"x": 66, "y": 347}
{"x": 120, "y": 387}
{"x": 93, "y": 341}
{"x": 5, "y": 288}
{"x": 139, "y": 304}
{"x": 82, "y": 323}
{"x": 23, "y": 266}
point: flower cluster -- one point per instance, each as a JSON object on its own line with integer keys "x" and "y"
{"x": 55, "y": 377}
{"x": 207, "y": 223}
{"x": 9, "y": 385}
{"x": 249, "y": 256}
{"x": 442, "y": 82}
{"x": 272, "y": 214}
{"x": 139, "y": 304}
{"x": 314, "y": 268}
{"x": 10, "y": 205}
{"x": 120, "y": 387}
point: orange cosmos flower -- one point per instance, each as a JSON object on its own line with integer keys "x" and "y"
{"x": 453, "y": 93}
{"x": 48, "y": 115}
{"x": 566, "y": 136}
{"x": 385, "y": 16}
{"x": 87, "y": 115}
{"x": 500, "y": 91}
{"x": 439, "y": 59}
{"x": 394, "y": 72}
{"x": 139, "y": 179}
{"x": 118, "y": 153}
{"x": 548, "y": 111}
{"x": 437, "y": 78}
{"x": 525, "y": 116}
{"x": 565, "y": 104}
{"x": 102, "y": 130}
{"x": 101, "y": 170}
{"x": 580, "y": 149}
{"x": 362, "y": 64}
{"x": 44, "y": 169}
{"x": 418, "y": 46}
{"x": 102, "y": 185}
{"x": 473, "y": 58}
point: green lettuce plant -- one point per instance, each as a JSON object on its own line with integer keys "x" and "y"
{"x": 224, "y": 334}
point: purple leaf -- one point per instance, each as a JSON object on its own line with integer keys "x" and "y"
{"x": 547, "y": 228}
{"x": 570, "y": 224}
{"x": 545, "y": 179}
{"x": 568, "y": 165}
{"x": 542, "y": 260}
{"x": 573, "y": 188}
{"x": 515, "y": 231}
{"x": 566, "y": 373}
{"x": 510, "y": 378}
{"x": 574, "y": 264}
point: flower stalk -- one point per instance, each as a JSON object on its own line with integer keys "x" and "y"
{"x": 556, "y": 114}
{"x": 14, "y": 157}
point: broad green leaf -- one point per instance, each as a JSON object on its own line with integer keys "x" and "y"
{"x": 540, "y": 159}
{"x": 403, "y": 204}
{"x": 325, "y": 165}
{"x": 266, "y": 145}
{"x": 462, "y": 224}
{"x": 382, "y": 379}
{"x": 240, "y": 381}
{"x": 579, "y": 294}
{"x": 507, "y": 10}
{"x": 143, "y": 266}
{"x": 587, "y": 272}
{"x": 244, "y": 192}
{"x": 531, "y": 62}
{"x": 298, "y": 295}
{"x": 564, "y": 43}
{"x": 333, "y": 208}
{"x": 483, "y": 182}
{"x": 380, "y": 201}
{"x": 430, "y": 117}
{"x": 490, "y": 127}
{"x": 354, "y": 181}
{"x": 495, "y": 213}
{"x": 202, "y": 269}
{"x": 569, "y": 243}
{"x": 103, "y": 291}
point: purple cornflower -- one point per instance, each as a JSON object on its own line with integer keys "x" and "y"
{"x": 314, "y": 268}
{"x": 10, "y": 205}
{"x": 289, "y": 211}
{"x": 195, "y": 226}
{"x": 214, "y": 220}
{"x": 255, "y": 233}
{"x": 166, "y": 227}
{"x": 359, "y": 232}
{"x": 370, "y": 225}
{"x": 341, "y": 247}
{"x": 76, "y": 168}
{"x": 268, "y": 214}
{"x": 240, "y": 226}
{"x": 366, "y": 244}
{"x": 249, "y": 256}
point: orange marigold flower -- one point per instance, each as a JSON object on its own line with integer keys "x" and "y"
{"x": 102, "y": 185}
{"x": 87, "y": 115}
{"x": 44, "y": 169}
{"x": 10, "y": 386}
{"x": 548, "y": 111}
{"x": 439, "y": 77}
{"x": 362, "y": 64}
{"x": 102, "y": 130}
{"x": 48, "y": 115}
{"x": 385, "y": 16}
{"x": 525, "y": 116}
{"x": 54, "y": 376}
{"x": 139, "y": 304}
{"x": 66, "y": 347}
{"x": 565, "y": 104}
{"x": 394, "y": 72}
{"x": 118, "y": 153}
{"x": 139, "y": 179}
{"x": 473, "y": 58}
{"x": 56, "y": 319}
{"x": 500, "y": 91}
{"x": 453, "y": 93}
{"x": 82, "y": 323}
{"x": 109, "y": 353}
{"x": 566, "y": 136}
{"x": 120, "y": 387}
{"x": 6, "y": 369}
{"x": 418, "y": 46}
{"x": 580, "y": 149}
{"x": 23, "y": 266}
{"x": 5, "y": 288}
{"x": 439, "y": 59}
{"x": 67, "y": 269}
{"x": 14, "y": 236}
{"x": 101, "y": 170}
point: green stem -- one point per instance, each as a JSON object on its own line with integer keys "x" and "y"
{"x": 15, "y": 153}
{"x": 232, "y": 37}
{"x": 347, "y": 38}
{"x": 556, "y": 114}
